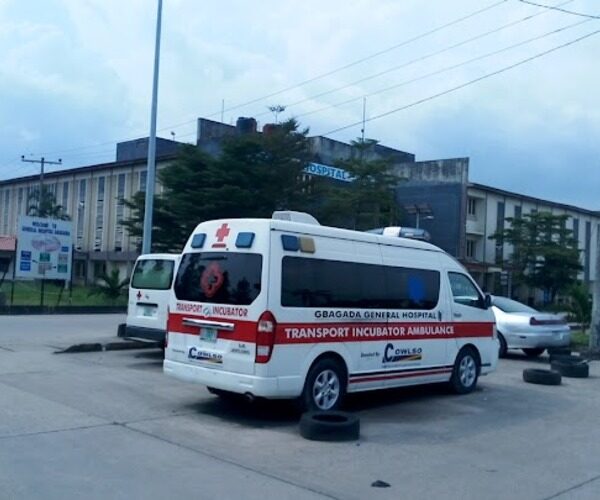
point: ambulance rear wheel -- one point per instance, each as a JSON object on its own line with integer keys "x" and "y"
{"x": 325, "y": 386}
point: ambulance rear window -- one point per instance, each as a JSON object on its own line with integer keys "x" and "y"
{"x": 153, "y": 274}
{"x": 219, "y": 278}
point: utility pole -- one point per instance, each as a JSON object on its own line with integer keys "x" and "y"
{"x": 42, "y": 161}
{"x": 595, "y": 326}
{"x": 151, "y": 175}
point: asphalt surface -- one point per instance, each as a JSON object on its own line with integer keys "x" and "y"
{"x": 111, "y": 425}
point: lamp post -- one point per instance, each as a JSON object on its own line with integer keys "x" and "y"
{"x": 151, "y": 174}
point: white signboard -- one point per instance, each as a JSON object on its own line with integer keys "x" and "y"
{"x": 321, "y": 170}
{"x": 44, "y": 248}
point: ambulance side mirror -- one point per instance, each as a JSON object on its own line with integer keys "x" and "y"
{"x": 487, "y": 301}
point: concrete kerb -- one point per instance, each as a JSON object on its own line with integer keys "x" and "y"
{"x": 108, "y": 346}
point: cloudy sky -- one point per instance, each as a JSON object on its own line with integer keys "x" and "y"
{"x": 76, "y": 76}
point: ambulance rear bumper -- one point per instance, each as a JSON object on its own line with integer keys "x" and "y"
{"x": 240, "y": 383}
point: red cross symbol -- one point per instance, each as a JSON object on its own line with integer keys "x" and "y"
{"x": 221, "y": 234}
{"x": 139, "y": 295}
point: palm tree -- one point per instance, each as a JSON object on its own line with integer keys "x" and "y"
{"x": 110, "y": 286}
{"x": 46, "y": 207}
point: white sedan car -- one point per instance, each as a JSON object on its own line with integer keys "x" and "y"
{"x": 522, "y": 327}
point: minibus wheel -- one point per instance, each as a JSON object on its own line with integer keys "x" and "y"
{"x": 325, "y": 386}
{"x": 466, "y": 371}
{"x": 503, "y": 346}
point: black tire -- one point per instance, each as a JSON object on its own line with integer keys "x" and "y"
{"x": 534, "y": 353}
{"x": 571, "y": 369}
{"x": 503, "y": 346}
{"x": 559, "y": 351}
{"x": 567, "y": 358}
{"x": 330, "y": 426}
{"x": 122, "y": 330}
{"x": 330, "y": 398}
{"x": 466, "y": 371}
{"x": 543, "y": 377}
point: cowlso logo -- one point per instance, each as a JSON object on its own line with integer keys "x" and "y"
{"x": 392, "y": 354}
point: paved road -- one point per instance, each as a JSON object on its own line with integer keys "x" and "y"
{"x": 110, "y": 425}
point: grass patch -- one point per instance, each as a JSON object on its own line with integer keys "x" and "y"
{"x": 27, "y": 293}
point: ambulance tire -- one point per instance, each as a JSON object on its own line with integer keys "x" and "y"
{"x": 325, "y": 369}
{"x": 503, "y": 346}
{"x": 466, "y": 371}
{"x": 329, "y": 426}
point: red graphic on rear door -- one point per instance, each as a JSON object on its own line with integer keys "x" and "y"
{"x": 212, "y": 279}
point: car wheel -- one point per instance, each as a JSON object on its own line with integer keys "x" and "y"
{"x": 571, "y": 369}
{"x": 543, "y": 377}
{"x": 465, "y": 372}
{"x": 330, "y": 426}
{"x": 325, "y": 386}
{"x": 503, "y": 347}
{"x": 533, "y": 353}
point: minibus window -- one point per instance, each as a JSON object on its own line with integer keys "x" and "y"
{"x": 220, "y": 278}
{"x": 308, "y": 282}
{"x": 153, "y": 274}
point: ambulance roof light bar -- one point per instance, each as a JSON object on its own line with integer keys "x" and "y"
{"x": 292, "y": 216}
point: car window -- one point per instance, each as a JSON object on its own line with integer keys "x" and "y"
{"x": 511, "y": 306}
{"x": 464, "y": 291}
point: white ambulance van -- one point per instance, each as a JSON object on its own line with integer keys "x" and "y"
{"x": 149, "y": 295}
{"x": 286, "y": 309}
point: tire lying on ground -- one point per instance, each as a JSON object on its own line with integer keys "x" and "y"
{"x": 568, "y": 358}
{"x": 329, "y": 426}
{"x": 579, "y": 369}
{"x": 539, "y": 376}
{"x": 559, "y": 351}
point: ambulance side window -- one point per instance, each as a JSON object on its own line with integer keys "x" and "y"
{"x": 464, "y": 291}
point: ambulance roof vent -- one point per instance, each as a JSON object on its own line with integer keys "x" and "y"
{"x": 292, "y": 216}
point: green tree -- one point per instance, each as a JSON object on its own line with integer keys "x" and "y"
{"x": 110, "y": 286}
{"x": 254, "y": 175}
{"x": 46, "y": 207}
{"x": 368, "y": 201}
{"x": 545, "y": 254}
{"x": 581, "y": 304}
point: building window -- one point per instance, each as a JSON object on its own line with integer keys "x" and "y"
{"x": 471, "y": 245}
{"x": 143, "y": 180}
{"x": 80, "y": 268}
{"x": 576, "y": 230}
{"x": 120, "y": 213}
{"x": 99, "y": 215}
{"x": 99, "y": 269}
{"x": 20, "y": 194}
{"x": 65, "y": 197}
{"x": 6, "y": 208}
{"x": 499, "y": 229}
{"x": 81, "y": 212}
{"x": 518, "y": 212}
{"x": 472, "y": 207}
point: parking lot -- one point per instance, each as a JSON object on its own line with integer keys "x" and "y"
{"x": 111, "y": 425}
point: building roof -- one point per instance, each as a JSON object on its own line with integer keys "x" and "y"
{"x": 532, "y": 199}
{"x": 8, "y": 243}
{"x": 84, "y": 169}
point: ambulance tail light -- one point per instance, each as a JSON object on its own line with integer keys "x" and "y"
{"x": 168, "y": 327}
{"x": 265, "y": 337}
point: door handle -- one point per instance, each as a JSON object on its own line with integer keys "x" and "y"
{"x": 458, "y": 315}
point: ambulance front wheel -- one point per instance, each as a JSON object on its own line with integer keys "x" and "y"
{"x": 466, "y": 371}
{"x": 325, "y": 386}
